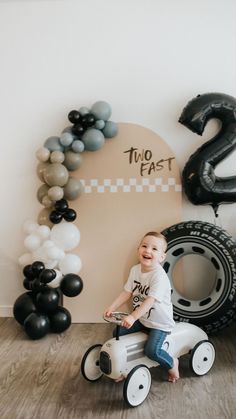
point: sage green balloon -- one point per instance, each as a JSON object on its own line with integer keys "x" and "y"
{"x": 93, "y": 139}
{"x": 53, "y": 144}
{"x": 66, "y": 139}
{"x": 99, "y": 124}
{"x": 83, "y": 110}
{"x": 55, "y": 193}
{"x": 43, "y": 217}
{"x": 56, "y": 174}
{"x": 101, "y": 110}
{"x": 110, "y": 130}
{"x": 40, "y": 170}
{"x": 73, "y": 189}
{"x": 77, "y": 146}
{"x": 72, "y": 160}
{"x": 42, "y": 191}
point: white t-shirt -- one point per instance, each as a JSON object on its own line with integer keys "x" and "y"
{"x": 154, "y": 284}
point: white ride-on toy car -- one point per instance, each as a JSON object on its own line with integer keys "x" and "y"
{"x": 124, "y": 355}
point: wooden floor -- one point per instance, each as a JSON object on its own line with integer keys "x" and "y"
{"x": 41, "y": 380}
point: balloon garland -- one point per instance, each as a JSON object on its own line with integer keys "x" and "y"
{"x": 49, "y": 270}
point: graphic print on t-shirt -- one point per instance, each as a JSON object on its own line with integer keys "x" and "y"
{"x": 139, "y": 298}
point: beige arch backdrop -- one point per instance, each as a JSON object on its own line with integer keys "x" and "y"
{"x": 132, "y": 185}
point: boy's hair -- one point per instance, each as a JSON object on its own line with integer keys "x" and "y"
{"x": 158, "y": 236}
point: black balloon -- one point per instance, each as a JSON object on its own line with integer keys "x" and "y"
{"x": 200, "y": 182}
{"x": 88, "y": 120}
{"x": 60, "y": 320}
{"x": 37, "y": 285}
{"x": 69, "y": 215}
{"x": 47, "y": 300}
{"x": 28, "y": 272}
{"x": 23, "y": 306}
{"x": 71, "y": 285}
{"x": 55, "y": 217}
{"x": 28, "y": 284}
{"x": 61, "y": 206}
{"x": 74, "y": 116}
{"x": 47, "y": 275}
{"x": 36, "y": 325}
{"x": 78, "y": 130}
{"x": 37, "y": 267}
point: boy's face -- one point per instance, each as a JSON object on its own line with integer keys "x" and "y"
{"x": 150, "y": 253}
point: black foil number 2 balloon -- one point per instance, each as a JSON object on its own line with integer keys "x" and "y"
{"x": 200, "y": 182}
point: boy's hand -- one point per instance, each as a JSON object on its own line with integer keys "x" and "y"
{"x": 107, "y": 313}
{"x": 128, "y": 321}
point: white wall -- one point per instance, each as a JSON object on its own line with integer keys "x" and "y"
{"x": 147, "y": 58}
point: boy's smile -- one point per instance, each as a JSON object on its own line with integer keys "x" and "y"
{"x": 150, "y": 253}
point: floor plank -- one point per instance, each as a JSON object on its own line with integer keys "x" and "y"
{"x": 41, "y": 379}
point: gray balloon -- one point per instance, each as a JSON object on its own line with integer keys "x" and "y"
{"x": 56, "y": 174}
{"x": 73, "y": 189}
{"x": 43, "y": 217}
{"x": 42, "y": 191}
{"x": 55, "y": 193}
{"x": 48, "y": 202}
{"x": 72, "y": 160}
{"x": 43, "y": 154}
{"x": 40, "y": 170}
{"x": 101, "y": 110}
{"x": 53, "y": 144}
{"x": 93, "y": 139}
{"x": 57, "y": 157}
{"x": 110, "y": 130}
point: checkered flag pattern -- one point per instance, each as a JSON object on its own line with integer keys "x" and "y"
{"x": 130, "y": 185}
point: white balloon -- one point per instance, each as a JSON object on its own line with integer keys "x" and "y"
{"x": 32, "y": 242}
{"x": 70, "y": 264}
{"x": 47, "y": 244}
{"x": 65, "y": 235}
{"x": 25, "y": 259}
{"x": 39, "y": 254}
{"x": 61, "y": 254}
{"x": 54, "y": 252}
{"x": 43, "y": 231}
{"x": 29, "y": 226}
{"x": 55, "y": 283}
{"x": 51, "y": 263}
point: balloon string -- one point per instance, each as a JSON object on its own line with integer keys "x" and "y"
{"x": 217, "y": 220}
{"x": 215, "y": 209}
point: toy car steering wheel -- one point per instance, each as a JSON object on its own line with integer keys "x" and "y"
{"x": 116, "y": 317}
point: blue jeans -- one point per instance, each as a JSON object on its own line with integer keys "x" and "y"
{"x": 153, "y": 347}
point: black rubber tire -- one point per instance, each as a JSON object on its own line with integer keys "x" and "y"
{"x": 196, "y": 237}
{"x": 84, "y": 362}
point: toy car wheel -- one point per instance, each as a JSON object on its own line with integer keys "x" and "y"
{"x": 90, "y": 367}
{"x": 202, "y": 357}
{"x": 137, "y": 385}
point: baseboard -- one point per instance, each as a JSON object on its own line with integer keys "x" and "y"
{"x": 6, "y": 311}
